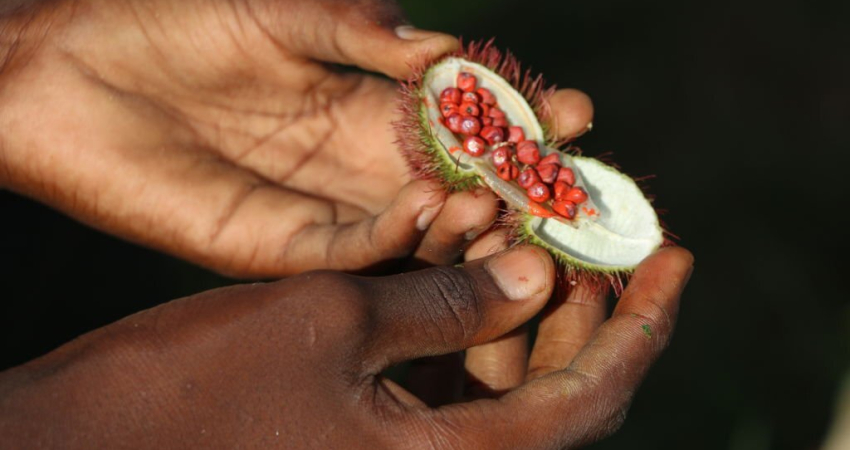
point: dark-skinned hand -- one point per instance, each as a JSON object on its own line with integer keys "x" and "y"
{"x": 223, "y": 132}
{"x": 298, "y": 364}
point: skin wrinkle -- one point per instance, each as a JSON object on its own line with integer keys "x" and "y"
{"x": 432, "y": 316}
{"x": 230, "y": 210}
{"x": 174, "y": 109}
{"x": 162, "y": 59}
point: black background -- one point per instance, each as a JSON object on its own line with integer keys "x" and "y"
{"x": 742, "y": 112}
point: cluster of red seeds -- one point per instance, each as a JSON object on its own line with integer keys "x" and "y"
{"x": 474, "y": 113}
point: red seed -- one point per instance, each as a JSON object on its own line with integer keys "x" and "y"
{"x": 508, "y": 172}
{"x": 474, "y": 145}
{"x": 565, "y": 208}
{"x": 451, "y": 95}
{"x": 536, "y": 209}
{"x": 552, "y": 158}
{"x": 470, "y": 109}
{"x": 567, "y": 176}
{"x": 515, "y": 134}
{"x": 486, "y": 121}
{"x": 448, "y": 109}
{"x": 548, "y": 172}
{"x": 493, "y": 135}
{"x": 561, "y": 190}
{"x": 487, "y": 97}
{"x": 496, "y": 113}
{"x": 528, "y": 177}
{"x": 466, "y": 81}
{"x": 528, "y": 153}
{"x": 500, "y": 122}
{"x": 453, "y": 122}
{"x": 470, "y": 97}
{"x": 470, "y": 126}
{"x": 539, "y": 192}
{"x": 576, "y": 195}
{"x": 501, "y": 155}
{"x": 485, "y": 110}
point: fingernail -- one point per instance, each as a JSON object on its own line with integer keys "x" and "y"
{"x": 411, "y": 33}
{"x": 521, "y": 273}
{"x": 427, "y": 215}
{"x": 586, "y": 130}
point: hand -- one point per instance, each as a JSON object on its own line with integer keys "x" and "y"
{"x": 219, "y": 131}
{"x": 298, "y": 364}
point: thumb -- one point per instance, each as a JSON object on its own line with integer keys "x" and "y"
{"x": 446, "y": 309}
{"x": 370, "y": 34}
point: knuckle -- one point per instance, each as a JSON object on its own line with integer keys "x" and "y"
{"x": 331, "y": 300}
{"x": 453, "y": 294}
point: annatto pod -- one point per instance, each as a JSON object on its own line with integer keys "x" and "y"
{"x": 593, "y": 219}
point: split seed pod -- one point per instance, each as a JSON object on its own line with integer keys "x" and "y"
{"x": 613, "y": 229}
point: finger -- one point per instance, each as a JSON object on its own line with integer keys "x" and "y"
{"x": 499, "y": 366}
{"x": 370, "y": 34}
{"x": 494, "y": 240}
{"x": 446, "y": 309}
{"x": 572, "y": 113}
{"x": 566, "y": 328}
{"x": 588, "y": 400}
{"x": 391, "y": 235}
{"x": 440, "y": 380}
{"x": 465, "y": 216}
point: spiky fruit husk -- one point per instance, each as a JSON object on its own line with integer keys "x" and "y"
{"x": 617, "y": 228}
